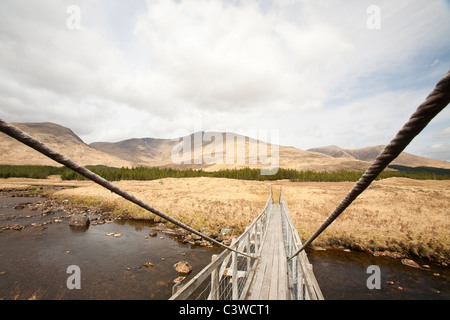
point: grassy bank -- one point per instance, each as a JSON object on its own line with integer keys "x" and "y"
{"x": 399, "y": 215}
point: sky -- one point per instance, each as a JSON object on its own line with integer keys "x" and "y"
{"x": 319, "y": 72}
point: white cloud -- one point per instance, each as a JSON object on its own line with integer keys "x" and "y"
{"x": 367, "y": 121}
{"x": 311, "y": 69}
{"x": 444, "y": 134}
{"x": 227, "y": 57}
{"x": 440, "y": 151}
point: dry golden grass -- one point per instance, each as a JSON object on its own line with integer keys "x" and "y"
{"x": 396, "y": 214}
{"x": 204, "y": 203}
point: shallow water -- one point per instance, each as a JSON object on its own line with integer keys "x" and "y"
{"x": 35, "y": 260}
{"x": 344, "y": 275}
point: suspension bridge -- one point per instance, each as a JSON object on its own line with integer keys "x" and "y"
{"x": 265, "y": 273}
{"x": 268, "y": 260}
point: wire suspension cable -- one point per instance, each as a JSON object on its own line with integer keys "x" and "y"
{"x": 436, "y": 101}
{"x": 37, "y": 145}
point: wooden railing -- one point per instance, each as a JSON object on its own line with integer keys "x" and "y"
{"x": 229, "y": 274}
{"x": 302, "y": 281}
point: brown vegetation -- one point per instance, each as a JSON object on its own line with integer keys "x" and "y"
{"x": 400, "y": 215}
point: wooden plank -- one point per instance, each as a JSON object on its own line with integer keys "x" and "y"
{"x": 273, "y": 294}
{"x": 270, "y": 279}
{"x": 266, "y": 257}
{"x": 283, "y": 276}
{"x": 273, "y": 291}
{"x": 257, "y": 281}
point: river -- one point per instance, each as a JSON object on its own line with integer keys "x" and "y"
{"x": 344, "y": 275}
{"x": 35, "y": 260}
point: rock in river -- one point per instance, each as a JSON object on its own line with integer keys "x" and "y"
{"x": 148, "y": 264}
{"x": 410, "y": 263}
{"x": 183, "y": 267}
{"x": 79, "y": 220}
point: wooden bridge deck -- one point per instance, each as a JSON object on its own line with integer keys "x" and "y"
{"x": 263, "y": 271}
{"x": 270, "y": 281}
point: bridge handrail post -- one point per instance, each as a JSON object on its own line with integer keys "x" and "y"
{"x": 216, "y": 270}
{"x": 249, "y": 260}
{"x": 234, "y": 278}
{"x": 214, "y": 294}
{"x": 257, "y": 236}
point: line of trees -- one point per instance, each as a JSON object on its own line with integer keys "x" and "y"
{"x": 34, "y": 172}
{"x": 146, "y": 173}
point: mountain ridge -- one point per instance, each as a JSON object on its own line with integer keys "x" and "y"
{"x": 369, "y": 154}
{"x": 159, "y": 152}
{"x": 57, "y": 137}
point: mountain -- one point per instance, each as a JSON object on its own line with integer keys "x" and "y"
{"x": 141, "y": 152}
{"x": 58, "y": 138}
{"x": 210, "y": 151}
{"x": 369, "y": 154}
{"x": 158, "y": 152}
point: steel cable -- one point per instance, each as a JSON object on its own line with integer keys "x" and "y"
{"x": 436, "y": 101}
{"x": 39, "y": 146}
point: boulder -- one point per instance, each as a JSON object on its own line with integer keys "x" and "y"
{"x": 17, "y": 227}
{"x": 410, "y": 263}
{"x": 79, "y": 220}
{"x": 183, "y": 267}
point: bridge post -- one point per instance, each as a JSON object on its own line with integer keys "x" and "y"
{"x": 249, "y": 260}
{"x": 234, "y": 278}
{"x": 257, "y": 236}
{"x": 214, "y": 294}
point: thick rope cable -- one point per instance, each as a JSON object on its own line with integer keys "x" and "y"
{"x": 37, "y": 145}
{"x": 436, "y": 101}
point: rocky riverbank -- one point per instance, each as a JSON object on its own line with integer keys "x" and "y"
{"x": 223, "y": 208}
{"x": 119, "y": 258}
{"x": 34, "y": 208}
{"x": 23, "y": 210}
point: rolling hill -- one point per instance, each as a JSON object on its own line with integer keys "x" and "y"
{"x": 60, "y": 139}
{"x": 210, "y": 152}
{"x": 158, "y": 152}
{"x": 369, "y": 154}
